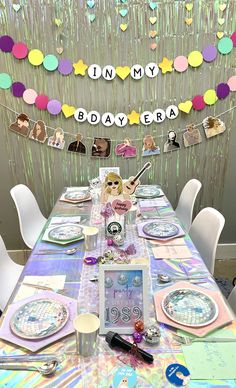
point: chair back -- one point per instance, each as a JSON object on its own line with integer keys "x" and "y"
{"x": 30, "y": 217}
{"x": 184, "y": 210}
{"x": 9, "y": 275}
{"x": 205, "y": 233}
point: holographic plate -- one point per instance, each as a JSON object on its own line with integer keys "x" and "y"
{"x": 160, "y": 229}
{"x": 147, "y": 192}
{"x": 190, "y": 307}
{"x": 39, "y": 318}
{"x": 65, "y": 233}
{"x": 77, "y": 195}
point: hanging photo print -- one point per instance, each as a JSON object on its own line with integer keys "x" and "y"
{"x": 126, "y": 149}
{"x": 192, "y": 136}
{"x": 57, "y": 140}
{"x": 77, "y": 146}
{"x": 149, "y": 146}
{"x": 21, "y": 125}
{"x": 171, "y": 144}
{"x": 101, "y": 147}
{"x": 213, "y": 126}
{"x": 39, "y": 132}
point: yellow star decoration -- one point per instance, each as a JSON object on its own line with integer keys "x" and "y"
{"x": 80, "y": 67}
{"x": 134, "y": 117}
{"x": 166, "y": 65}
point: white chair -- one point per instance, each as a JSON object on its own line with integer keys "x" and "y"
{"x": 205, "y": 233}
{"x": 232, "y": 299}
{"x": 9, "y": 275}
{"x": 30, "y": 217}
{"x": 184, "y": 210}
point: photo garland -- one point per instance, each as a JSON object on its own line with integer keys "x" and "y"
{"x": 55, "y": 107}
{"x": 65, "y": 66}
{"x": 102, "y": 146}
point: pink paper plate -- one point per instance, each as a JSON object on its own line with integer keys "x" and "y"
{"x": 35, "y": 345}
{"x": 224, "y": 317}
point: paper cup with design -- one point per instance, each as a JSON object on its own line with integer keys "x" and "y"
{"x": 90, "y": 237}
{"x": 86, "y": 329}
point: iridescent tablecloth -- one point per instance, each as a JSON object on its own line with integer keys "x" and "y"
{"x": 99, "y": 370}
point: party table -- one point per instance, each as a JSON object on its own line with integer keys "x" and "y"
{"x": 99, "y": 370}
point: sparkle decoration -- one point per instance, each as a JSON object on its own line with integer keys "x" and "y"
{"x": 166, "y": 65}
{"x": 106, "y": 44}
{"x": 65, "y": 67}
{"x": 210, "y": 97}
{"x": 134, "y": 117}
{"x": 80, "y": 67}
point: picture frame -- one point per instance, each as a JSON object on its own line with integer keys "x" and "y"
{"x": 103, "y": 171}
{"x": 123, "y": 298}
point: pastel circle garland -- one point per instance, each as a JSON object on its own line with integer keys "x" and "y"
{"x": 55, "y": 107}
{"x": 65, "y": 66}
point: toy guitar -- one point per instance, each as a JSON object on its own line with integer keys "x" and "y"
{"x": 130, "y": 186}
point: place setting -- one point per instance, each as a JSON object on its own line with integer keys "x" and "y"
{"x": 76, "y": 196}
{"x": 160, "y": 230}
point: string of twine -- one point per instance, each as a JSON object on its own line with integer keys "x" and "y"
{"x": 139, "y": 139}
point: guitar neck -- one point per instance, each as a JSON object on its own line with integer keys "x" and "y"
{"x": 145, "y": 167}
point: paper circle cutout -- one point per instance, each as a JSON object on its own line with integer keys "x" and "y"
{"x": 5, "y": 81}
{"x": 121, "y": 120}
{"x": 20, "y": 50}
{"x": 146, "y": 118}
{"x": 159, "y": 115}
{"x": 65, "y": 66}
{"x": 54, "y": 107}
{"x": 180, "y": 63}
{"x": 195, "y": 58}
{"x": 225, "y": 45}
{"x": 137, "y": 71}
{"x": 35, "y": 57}
{"x": 41, "y": 102}
{"x": 50, "y": 62}
{"x": 210, "y": 97}
{"x": 198, "y": 102}
{"x": 108, "y": 119}
{"x": 18, "y": 89}
{"x": 233, "y": 38}
{"x": 93, "y": 117}
{"x": 151, "y": 70}
{"x": 232, "y": 83}
{"x": 222, "y": 90}
{"x": 29, "y": 96}
{"x": 172, "y": 111}
{"x": 108, "y": 73}
{"x": 94, "y": 71}
{"x": 6, "y": 43}
{"x": 80, "y": 115}
{"x": 209, "y": 53}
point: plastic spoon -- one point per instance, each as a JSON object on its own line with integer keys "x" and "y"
{"x": 164, "y": 278}
{"x": 53, "y": 252}
{"x": 45, "y": 369}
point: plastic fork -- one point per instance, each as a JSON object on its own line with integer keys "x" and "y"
{"x": 188, "y": 341}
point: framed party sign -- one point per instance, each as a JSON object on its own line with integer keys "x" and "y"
{"x": 103, "y": 171}
{"x": 123, "y": 297}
